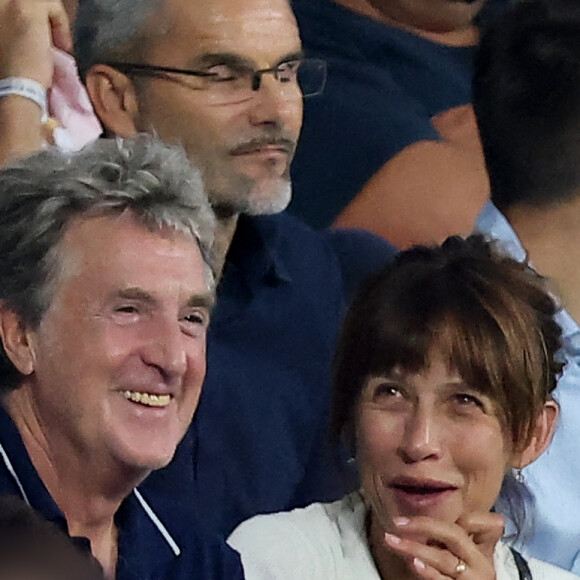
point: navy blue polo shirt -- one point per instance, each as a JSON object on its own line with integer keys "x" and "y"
{"x": 383, "y": 87}
{"x": 148, "y": 549}
{"x": 259, "y": 439}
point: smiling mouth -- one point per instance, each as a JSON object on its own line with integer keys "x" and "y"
{"x": 147, "y": 399}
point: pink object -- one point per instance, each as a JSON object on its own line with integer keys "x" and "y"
{"x": 69, "y": 104}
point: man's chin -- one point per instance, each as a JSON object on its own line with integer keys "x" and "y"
{"x": 264, "y": 197}
{"x": 269, "y": 197}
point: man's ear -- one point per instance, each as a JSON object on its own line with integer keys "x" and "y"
{"x": 17, "y": 341}
{"x": 114, "y": 100}
{"x": 541, "y": 438}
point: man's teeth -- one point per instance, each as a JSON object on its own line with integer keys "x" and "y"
{"x": 147, "y": 398}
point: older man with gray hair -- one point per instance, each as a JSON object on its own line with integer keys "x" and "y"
{"x": 107, "y": 288}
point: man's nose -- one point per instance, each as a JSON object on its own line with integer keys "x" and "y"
{"x": 273, "y": 104}
{"x": 422, "y": 437}
{"x": 165, "y": 349}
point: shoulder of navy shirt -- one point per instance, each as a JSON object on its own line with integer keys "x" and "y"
{"x": 148, "y": 550}
{"x": 384, "y": 85}
{"x": 259, "y": 437}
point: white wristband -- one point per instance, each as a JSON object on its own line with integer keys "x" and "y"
{"x": 27, "y": 88}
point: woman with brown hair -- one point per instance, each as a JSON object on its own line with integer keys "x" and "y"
{"x": 443, "y": 387}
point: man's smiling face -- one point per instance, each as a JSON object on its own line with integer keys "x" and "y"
{"x": 119, "y": 356}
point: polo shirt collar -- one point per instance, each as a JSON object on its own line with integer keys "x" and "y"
{"x": 256, "y": 251}
{"x": 15, "y": 457}
{"x": 142, "y": 535}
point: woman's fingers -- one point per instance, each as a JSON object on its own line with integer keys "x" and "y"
{"x": 485, "y": 528}
{"x": 437, "y": 549}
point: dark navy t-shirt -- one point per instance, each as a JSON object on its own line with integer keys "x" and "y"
{"x": 383, "y": 87}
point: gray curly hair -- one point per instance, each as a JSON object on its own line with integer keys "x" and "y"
{"x": 41, "y": 194}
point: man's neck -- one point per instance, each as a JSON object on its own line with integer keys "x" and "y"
{"x": 89, "y": 499}
{"x": 462, "y": 37}
{"x": 224, "y": 233}
{"x": 551, "y": 237}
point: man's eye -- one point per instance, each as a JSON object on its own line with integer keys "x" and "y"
{"x": 287, "y": 71}
{"x": 127, "y": 309}
{"x": 223, "y": 73}
{"x": 195, "y": 318}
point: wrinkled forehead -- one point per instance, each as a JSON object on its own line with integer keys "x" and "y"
{"x": 261, "y": 31}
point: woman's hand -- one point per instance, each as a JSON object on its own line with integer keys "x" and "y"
{"x": 438, "y": 550}
{"x": 28, "y": 31}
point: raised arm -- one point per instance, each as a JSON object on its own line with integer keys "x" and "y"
{"x": 29, "y": 29}
{"x": 429, "y": 190}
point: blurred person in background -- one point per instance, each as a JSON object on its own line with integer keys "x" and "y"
{"x": 527, "y": 104}
{"x": 226, "y": 79}
{"x": 392, "y": 145}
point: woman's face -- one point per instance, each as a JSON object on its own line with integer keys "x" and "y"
{"x": 429, "y": 445}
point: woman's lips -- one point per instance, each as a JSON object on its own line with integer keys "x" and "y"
{"x": 415, "y": 496}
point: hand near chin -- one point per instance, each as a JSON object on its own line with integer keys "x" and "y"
{"x": 438, "y": 550}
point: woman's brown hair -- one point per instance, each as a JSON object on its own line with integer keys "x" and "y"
{"x": 487, "y": 314}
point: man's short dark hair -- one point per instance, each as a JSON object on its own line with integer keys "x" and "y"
{"x": 527, "y": 103}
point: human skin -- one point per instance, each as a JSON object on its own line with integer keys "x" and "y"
{"x": 432, "y": 453}
{"x": 127, "y": 320}
{"x": 243, "y": 149}
{"x": 431, "y": 16}
{"x": 29, "y": 29}
{"x": 430, "y": 189}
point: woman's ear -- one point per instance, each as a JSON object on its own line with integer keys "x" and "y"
{"x": 17, "y": 341}
{"x": 541, "y": 437}
{"x": 114, "y": 99}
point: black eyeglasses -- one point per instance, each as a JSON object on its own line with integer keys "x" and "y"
{"x": 233, "y": 83}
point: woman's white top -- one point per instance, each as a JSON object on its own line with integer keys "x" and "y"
{"x": 329, "y": 542}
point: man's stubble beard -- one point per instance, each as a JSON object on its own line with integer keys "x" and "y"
{"x": 239, "y": 194}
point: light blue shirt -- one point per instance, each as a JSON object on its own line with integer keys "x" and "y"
{"x": 554, "y": 478}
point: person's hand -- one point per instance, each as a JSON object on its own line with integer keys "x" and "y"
{"x": 438, "y": 550}
{"x": 28, "y": 31}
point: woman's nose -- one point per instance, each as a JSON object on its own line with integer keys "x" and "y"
{"x": 422, "y": 437}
